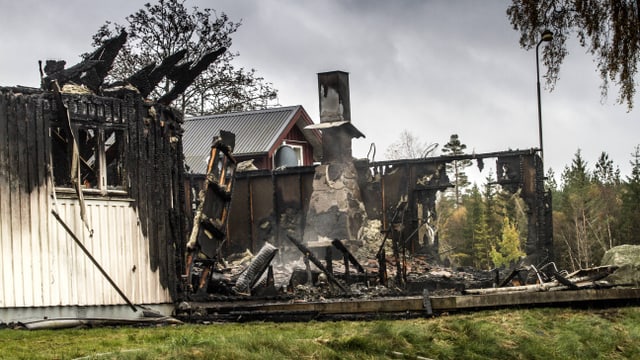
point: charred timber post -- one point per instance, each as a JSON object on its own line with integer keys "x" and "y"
{"x": 340, "y": 246}
{"x": 329, "y": 259}
{"x": 347, "y": 275}
{"x": 307, "y": 267}
{"x": 305, "y": 250}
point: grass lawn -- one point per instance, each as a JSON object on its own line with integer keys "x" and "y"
{"x": 543, "y": 333}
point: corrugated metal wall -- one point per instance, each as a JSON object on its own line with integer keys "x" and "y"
{"x": 117, "y": 244}
{"x": 24, "y": 201}
{"x": 41, "y": 265}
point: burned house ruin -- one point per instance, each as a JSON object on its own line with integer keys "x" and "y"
{"x": 98, "y": 211}
{"x": 342, "y": 199}
{"x": 92, "y": 197}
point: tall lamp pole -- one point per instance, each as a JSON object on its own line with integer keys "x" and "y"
{"x": 546, "y": 37}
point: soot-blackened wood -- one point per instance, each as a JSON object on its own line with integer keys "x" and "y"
{"x": 90, "y": 72}
{"x": 14, "y": 182}
{"x": 340, "y": 246}
{"x": 307, "y": 253}
{"x": 150, "y": 76}
{"x": 185, "y": 75}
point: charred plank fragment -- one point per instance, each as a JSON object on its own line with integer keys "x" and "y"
{"x": 340, "y": 246}
{"x": 307, "y": 253}
{"x": 92, "y": 71}
{"x": 185, "y": 74}
{"x": 146, "y": 79}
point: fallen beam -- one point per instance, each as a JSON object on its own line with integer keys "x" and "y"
{"x": 306, "y": 252}
{"x": 437, "y": 303}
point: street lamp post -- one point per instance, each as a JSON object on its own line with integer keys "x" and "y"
{"x": 546, "y": 36}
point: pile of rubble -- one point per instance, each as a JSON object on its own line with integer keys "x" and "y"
{"x": 356, "y": 274}
{"x": 350, "y": 270}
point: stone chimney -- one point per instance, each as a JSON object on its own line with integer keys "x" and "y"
{"x": 336, "y": 210}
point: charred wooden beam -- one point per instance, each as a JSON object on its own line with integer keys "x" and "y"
{"x": 340, "y": 246}
{"x": 146, "y": 79}
{"x": 185, "y": 74}
{"x": 92, "y": 71}
{"x": 305, "y": 250}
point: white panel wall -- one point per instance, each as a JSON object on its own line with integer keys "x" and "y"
{"x": 43, "y": 266}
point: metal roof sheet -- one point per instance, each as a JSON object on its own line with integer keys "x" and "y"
{"x": 256, "y": 132}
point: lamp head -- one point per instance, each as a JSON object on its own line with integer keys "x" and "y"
{"x": 547, "y": 35}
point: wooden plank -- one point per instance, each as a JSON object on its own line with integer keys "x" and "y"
{"x": 35, "y": 211}
{"x": 27, "y": 252}
{"x": 6, "y": 291}
{"x": 546, "y": 297}
{"x": 438, "y": 304}
{"x": 15, "y": 194}
{"x": 42, "y": 161}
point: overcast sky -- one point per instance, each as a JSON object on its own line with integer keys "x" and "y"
{"x": 434, "y": 68}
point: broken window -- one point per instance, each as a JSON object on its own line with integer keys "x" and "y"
{"x": 100, "y": 153}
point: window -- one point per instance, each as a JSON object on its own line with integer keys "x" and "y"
{"x": 101, "y": 160}
{"x": 298, "y": 150}
{"x": 288, "y": 155}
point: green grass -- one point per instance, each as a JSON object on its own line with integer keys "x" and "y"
{"x": 544, "y": 333}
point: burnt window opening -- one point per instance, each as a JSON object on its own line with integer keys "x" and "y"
{"x": 101, "y": 157}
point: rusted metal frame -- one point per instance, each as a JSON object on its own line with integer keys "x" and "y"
{"x": 93, "y": 260}
{"x": 305, "y": 251}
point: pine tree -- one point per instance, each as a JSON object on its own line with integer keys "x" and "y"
{"x": 456, "y": 168}
{"x": 630, "y": 208}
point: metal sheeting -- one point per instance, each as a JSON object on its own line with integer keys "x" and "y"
{"x": 56, "y": 272}
{"x": 255, "y": 132}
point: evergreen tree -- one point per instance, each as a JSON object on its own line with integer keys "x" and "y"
{"x": 493, "y": 206}
{"x": 605, "y": 196}
{"x": 454, "y": 238}
{"x": 477, "y": 232}
{"x": 605, "y": 174}
{"x": 456, "y": 168}
{"x": 573, "y": 231}
{"x": 629, "y": 218}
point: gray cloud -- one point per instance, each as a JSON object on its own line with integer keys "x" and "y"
{"x": 432, "y": 67}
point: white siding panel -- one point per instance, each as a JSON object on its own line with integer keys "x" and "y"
{"x": 45, "y": 267}
{"x": 117, "y": 247}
